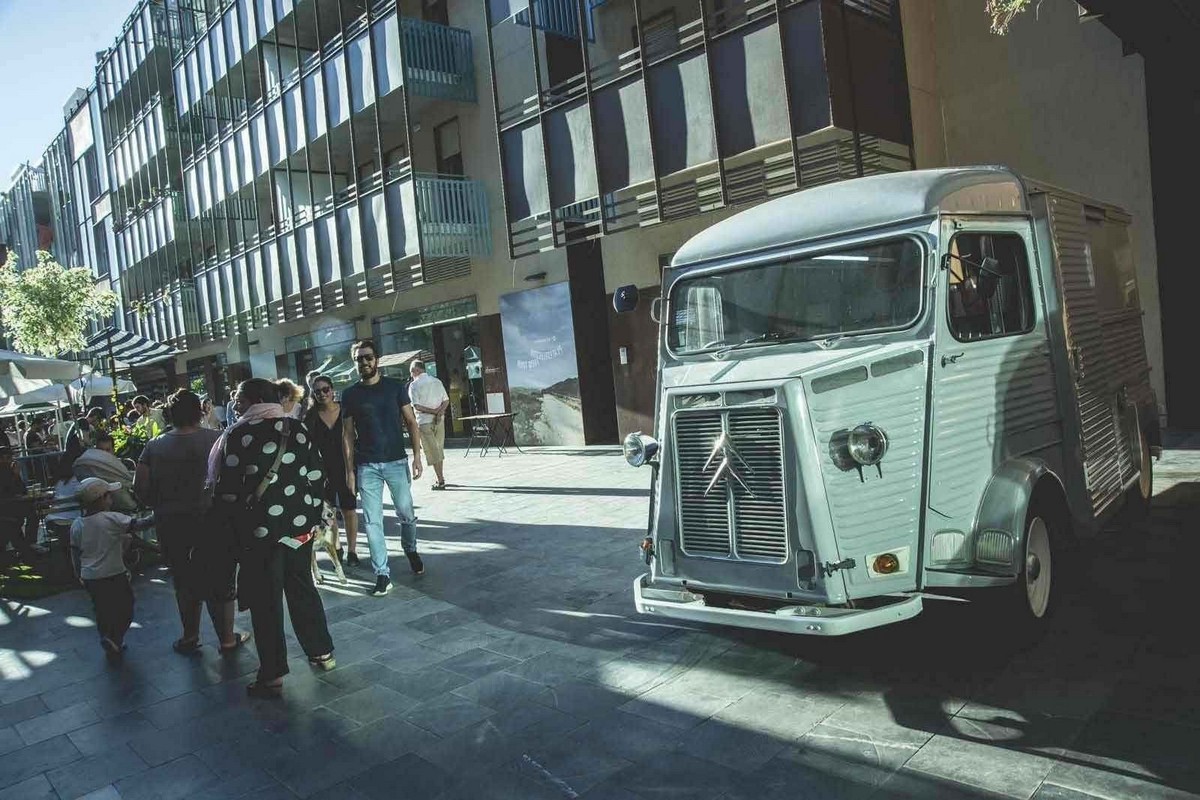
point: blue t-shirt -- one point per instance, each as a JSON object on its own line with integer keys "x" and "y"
{"x": 377, "y": 414}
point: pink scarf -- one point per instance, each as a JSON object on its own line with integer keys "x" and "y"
{"x": 256, "y": 413}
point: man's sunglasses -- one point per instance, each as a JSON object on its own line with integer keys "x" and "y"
{"x": 363, "y": 359}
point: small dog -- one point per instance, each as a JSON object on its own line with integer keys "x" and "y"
{"x": 326, "y": 535}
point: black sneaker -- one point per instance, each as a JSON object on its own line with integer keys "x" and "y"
{"x": 383, "y": 585}
{"x": 414, "y": 561}
{"x": 352, "y": 559}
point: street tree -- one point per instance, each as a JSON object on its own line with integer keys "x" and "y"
{"x": 1003, "y": 12}
{"x": 45, "y": 309}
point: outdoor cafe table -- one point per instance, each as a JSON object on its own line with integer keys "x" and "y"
{"x": 499, "y": 432}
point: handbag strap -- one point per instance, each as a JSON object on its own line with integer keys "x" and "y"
{"x": 253, "y": 499}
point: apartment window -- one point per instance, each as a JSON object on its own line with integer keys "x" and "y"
{"x": 435, "y": 11}
{"x": 989, "y": 291}
{"x": 448, "y": 148}
{"x": 661, "y": 35}
{"x": 91, "y": 174}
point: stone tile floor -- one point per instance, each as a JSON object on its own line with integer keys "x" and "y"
{"x": 516, "y": 669}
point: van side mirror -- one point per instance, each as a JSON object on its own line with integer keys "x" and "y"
{"x": 625, "y": 298}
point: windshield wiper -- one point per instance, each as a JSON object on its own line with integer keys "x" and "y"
{"x": 765, "y": 336}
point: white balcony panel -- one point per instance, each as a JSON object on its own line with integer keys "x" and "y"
{"x": 216, "y": 35}
{"x": 373, "y": 214}
{"x": 204, "y": 54}
{"x": 270, "y": 272}
{"x": 246, "y": 154}
{"x": 287, "y": 265}
{"x": 265, "y": 9}
{"x": 524, "y": 172}
{"x": 233, "y": 36}
{"x": 293, "y": 118}
{"x": 275, "y": 133}
{"x": 683, "y": 119}
{"x": 572, "y": 166}
{"x": 261, "y": 150}
{"x": 258, "y": 283}
{"x": 246, "y": 25}
{"x": 314, "y": 104}
{"x": 385, "y": 39}
{"x": 349, "y": 240}
{"x": 402, "y": 219}
{"x": 306, "y": 257}
{"x": 362, "y": 80}
{"x": 336, "y": 93}
{"x": 243, "y": 282}
{"x": 624, "y": 149}
{"x": 327, "y": 249}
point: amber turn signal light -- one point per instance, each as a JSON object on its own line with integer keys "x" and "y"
{"x": 885, "y": 564}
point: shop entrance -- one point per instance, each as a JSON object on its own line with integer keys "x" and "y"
{"x": 447, "y": 338}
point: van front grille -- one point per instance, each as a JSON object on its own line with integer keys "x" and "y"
{"x": 743, "y": 515}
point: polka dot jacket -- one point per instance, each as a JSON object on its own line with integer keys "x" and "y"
{"x": 291, "y": 505}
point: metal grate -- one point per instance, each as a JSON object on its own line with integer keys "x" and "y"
{"x": 749, "y": 501}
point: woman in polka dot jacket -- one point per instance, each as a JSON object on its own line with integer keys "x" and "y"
{"x": 275, "y": 536}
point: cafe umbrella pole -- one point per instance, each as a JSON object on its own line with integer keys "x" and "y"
{"x": 112, "y": 371}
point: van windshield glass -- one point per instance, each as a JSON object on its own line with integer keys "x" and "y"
{"x": 872, "y": 287}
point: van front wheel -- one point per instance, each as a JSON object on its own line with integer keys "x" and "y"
{"x": 1031, "y": 600}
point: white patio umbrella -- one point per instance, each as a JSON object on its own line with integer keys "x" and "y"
{"x": 94, "y": 384}
{"x": 26, "y": 373}
{"x": 47, "y": 396}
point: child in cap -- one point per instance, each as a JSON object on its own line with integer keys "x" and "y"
{"x": 99, "y": 540}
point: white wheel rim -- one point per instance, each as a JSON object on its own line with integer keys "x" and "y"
{"x": 1037, "y": 546}
{"x": 1146, "y": 479}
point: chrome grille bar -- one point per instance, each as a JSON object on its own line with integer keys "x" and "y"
{"x": 747, "y": 522}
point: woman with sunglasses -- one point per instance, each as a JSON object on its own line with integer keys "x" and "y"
{"x": 324, "y": 422}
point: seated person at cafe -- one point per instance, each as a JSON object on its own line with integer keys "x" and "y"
{"x": 100, "y": 462}
{"x": 18, "y": 514}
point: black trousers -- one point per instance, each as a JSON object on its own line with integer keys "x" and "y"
{"x": 266, "y": 577}
{"x": 112, "y": 599}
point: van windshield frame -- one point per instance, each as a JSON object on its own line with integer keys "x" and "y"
{"x": 868, "y": 287}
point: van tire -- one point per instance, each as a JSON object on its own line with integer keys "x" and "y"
{"x": 1140, "y": 496}
{"x": 1031, "y": 601}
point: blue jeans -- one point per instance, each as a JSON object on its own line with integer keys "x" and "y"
{"x": 370, "y": 478}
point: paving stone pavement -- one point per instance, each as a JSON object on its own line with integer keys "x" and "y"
{"x": 516, "y": 668}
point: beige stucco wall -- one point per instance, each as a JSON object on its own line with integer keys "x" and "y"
{"x": 1055, "y": 99}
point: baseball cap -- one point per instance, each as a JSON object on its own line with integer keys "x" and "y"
{"x": 92, "y": 489}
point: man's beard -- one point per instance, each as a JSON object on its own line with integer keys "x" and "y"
{"x": 367, "y": 371}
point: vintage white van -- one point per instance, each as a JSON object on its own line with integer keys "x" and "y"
{"x": 874, "y": 392}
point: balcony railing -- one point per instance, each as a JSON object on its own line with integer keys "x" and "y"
{"x": 453, "y": 214}
{"x": 560, "y": 17}
{"x": 438, "y": 60}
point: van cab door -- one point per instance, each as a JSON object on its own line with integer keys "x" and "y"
{"x": 993, "y": 393}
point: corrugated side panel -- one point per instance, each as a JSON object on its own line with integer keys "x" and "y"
{"x": 1126, "y": 343}
{"x": 874, "y": 514}
{"x": 1085, "y": 331}
{"x": 996, "y": 402}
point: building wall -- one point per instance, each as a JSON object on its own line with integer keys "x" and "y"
{"x": 1055, "y": 99}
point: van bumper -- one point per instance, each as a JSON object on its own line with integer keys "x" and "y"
{"x": 808, "y": 620}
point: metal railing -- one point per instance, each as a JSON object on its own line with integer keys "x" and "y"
{"x": 453, "y": 214}
{"x": 438, "y": 60}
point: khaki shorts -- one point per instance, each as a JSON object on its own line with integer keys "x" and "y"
{"x": 433, "y": 440}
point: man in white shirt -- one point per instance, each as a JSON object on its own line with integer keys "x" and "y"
{"x": 430, "y": 401}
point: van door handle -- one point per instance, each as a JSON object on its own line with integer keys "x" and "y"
{"x": 946, "y": 360}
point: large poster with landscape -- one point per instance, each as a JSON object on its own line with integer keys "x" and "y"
{"x": 543, "y": 376}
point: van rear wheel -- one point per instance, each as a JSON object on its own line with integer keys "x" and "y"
{"x": 1139, "y": 496}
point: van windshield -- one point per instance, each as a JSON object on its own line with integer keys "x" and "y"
{"x": 871, "y": 287}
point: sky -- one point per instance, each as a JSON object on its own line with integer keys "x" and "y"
{"x": 49, "y": 50}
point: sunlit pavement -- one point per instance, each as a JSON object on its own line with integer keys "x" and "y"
{"x": 516, "y": 668}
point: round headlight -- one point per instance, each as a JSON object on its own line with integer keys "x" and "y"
{"x": 867, "y": 444}
{"x": 639, "y": 449}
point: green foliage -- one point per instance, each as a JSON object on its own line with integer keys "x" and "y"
{"x": 1002, "y": 12}
{"x": 45, "y": 309}
{"x": 197, "y": 386}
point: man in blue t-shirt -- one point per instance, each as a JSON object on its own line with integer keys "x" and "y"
{"x": 372, "y": 410}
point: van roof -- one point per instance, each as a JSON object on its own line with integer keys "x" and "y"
{"x": 855, "y": 205}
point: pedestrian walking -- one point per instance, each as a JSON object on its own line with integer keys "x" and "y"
{"x": 99, "y": 540}
{"x": 324, "y": 423}
{"x": 372, "y": 412}
{"x": 430, "y": 401}
{"x": 208, "y": 415}
{"x": 290, "y": 396}
{"x": 269, "y": 484}
{"x": 171, "y": 478}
